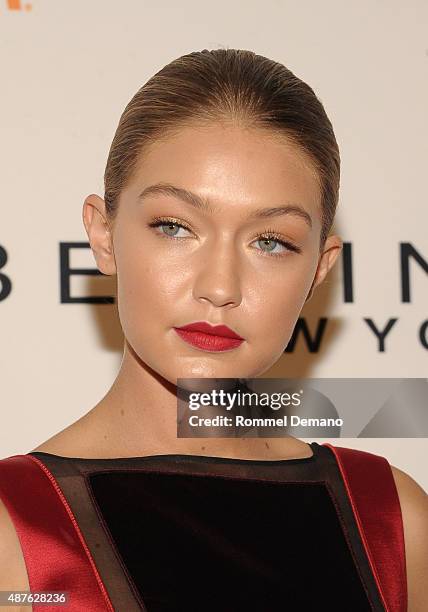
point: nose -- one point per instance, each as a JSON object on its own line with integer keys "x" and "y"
{"x": 218, "y": 279}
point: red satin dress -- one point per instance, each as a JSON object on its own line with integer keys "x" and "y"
{"x": 188, "y": 533}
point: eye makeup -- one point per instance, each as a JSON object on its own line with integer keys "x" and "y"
{"x": 266, "y": 235}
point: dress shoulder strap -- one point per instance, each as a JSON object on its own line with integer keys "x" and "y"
{"x": 55, "y": 552}
{"x": 371, "y": 489}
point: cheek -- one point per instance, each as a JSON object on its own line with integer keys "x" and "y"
{"x": 147, "y": 288}
{"x": 275, "y": 309}
{"x": 281, "y": 294}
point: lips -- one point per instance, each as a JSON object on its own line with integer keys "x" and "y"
{"x": 209, "y": 337}
{"x": 215, "y": 330}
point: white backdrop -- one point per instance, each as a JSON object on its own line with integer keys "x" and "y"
{"x": 69, "y": 68}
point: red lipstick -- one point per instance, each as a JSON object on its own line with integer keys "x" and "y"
{"x": 209, "y": 337}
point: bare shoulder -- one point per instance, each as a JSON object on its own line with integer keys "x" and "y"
{"x": 414, "y": 509}
{"x": 13, "y": 571}
{"x": 77, "y": 440}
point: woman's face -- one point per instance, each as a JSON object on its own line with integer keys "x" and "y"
{"x": 215, "y": 264}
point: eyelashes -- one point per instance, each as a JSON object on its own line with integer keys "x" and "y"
{"x": 266, "y": 235}
{"x": 269, "y": 234}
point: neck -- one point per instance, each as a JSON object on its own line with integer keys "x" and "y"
{"x": 138, "y": 417}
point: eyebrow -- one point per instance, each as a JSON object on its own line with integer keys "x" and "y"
{"x": 167, "y": 189}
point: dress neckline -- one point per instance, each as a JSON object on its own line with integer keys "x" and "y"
{"x": 185, "y": 457}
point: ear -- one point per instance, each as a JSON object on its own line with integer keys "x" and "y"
{"x": 332, "y": 248}
{"x": 99, "y": 233}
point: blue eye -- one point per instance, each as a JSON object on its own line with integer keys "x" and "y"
{"x": 268, "y": 237}
{"x": 169, "y": 225}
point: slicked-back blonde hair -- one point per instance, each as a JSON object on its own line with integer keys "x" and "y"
{"x": 225, "y": 85}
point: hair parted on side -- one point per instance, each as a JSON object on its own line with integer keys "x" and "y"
{"x": 225, "y": 85}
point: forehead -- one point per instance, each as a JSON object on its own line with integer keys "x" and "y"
{"x": 231, "y": 166}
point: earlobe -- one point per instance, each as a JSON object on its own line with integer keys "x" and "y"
{"x": 332, "y": 249}
{"x": 311, "y": 290}
{"x": 99, "y": 233}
